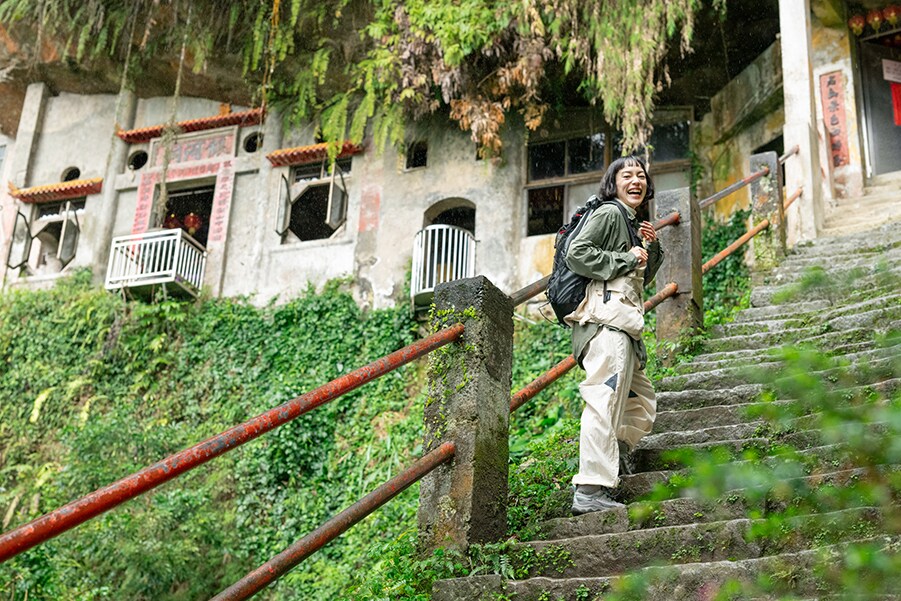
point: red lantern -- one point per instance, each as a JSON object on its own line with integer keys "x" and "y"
{"x": 874, "y": 18}
{"x": 192, "y": 223}
{"x": 892, "y": 13}
{"x": 171, "y": 222}
{"x": 856, "y": 24}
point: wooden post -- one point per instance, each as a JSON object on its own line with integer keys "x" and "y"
{"x": 766, "y": 203}
{"x": 682, "y": 314}
{"x": 465, "y": 501}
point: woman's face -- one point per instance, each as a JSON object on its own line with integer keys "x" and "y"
{"x": 631, "y": 185}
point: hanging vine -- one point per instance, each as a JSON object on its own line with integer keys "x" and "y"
{"x": 373, "y": 66}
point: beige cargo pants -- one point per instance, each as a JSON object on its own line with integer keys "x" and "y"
{"x": 619, "y": 404}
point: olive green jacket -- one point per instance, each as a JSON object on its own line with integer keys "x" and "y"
{"x": 600, "y": 251}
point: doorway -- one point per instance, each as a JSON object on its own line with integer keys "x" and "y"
{"x": 880, "y": 75}
{"x": 190, "y": 209}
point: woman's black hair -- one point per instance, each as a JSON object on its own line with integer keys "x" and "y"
{"x": 608, "y": 182}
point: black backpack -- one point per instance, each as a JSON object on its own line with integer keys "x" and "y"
{"x": 565, "y": 289}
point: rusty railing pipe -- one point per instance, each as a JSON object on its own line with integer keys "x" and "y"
{"x": 794, "y": 150}
{"x": 715, "y": 260}
{"x": 664, "y": 293}
{"x": 792, "y": 198}
{"x": 532, "y": 290}
{"x": 529, "y": 391}
{"x": 273, "y": 569}
{"x": 671, "y": 219}
{"x": 733, "y": 188}
{"x": 58, "y": 521}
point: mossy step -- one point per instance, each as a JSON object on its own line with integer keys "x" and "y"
{"x": 610, "y": 554}
{"x": 710, "y": 417}
{"x": 696, "y": 398}
{"x": 734, "y": 504}
{"x": 825, "y": 337}
{"x": 719, "y": 373}
{"x": 792, "y": 573}
{"x": 751, "y": 356}
{"x": 779, "y": 311}
{"x": 788, "y": 292}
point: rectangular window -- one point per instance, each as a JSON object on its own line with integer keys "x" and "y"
{"x": 545, "y": 210}
{"x": 320, "y": 170}
{"x": 417, "y": 155}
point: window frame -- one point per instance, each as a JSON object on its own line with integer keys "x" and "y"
{"x": 330, "y": 174}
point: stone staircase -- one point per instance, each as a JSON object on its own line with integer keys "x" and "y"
{"x": 839, "y": 295}
{"x": 880, "y": 203}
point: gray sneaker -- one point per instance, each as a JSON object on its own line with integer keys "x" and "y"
{"x": 600, "y": 500}
{"x": 626, "y": 459}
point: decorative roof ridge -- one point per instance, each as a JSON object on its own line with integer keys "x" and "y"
{"x": 57, "y": 191}
{"x": 145, "y": 134}
{"x": 299, "y": 155}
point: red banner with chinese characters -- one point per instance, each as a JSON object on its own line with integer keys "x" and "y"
{"x": 832, "y": 94}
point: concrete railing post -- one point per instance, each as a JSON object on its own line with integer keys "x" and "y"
{"x": 682, "y": 314}
{"x": 465, "y": 501}
{"x": 766, "y": 203}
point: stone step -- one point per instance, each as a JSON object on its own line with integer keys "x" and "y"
{"x": 734, "y": 504}
{"x": 782, "y": 311}
{"x": 609, "y": 554}
{"x": 794, "y": 573}
{"x": 823, "y": 336}
{"x": 709, "y": 417}
{"x": 638, "y": 486}
{"x": 693, "y": 399}
{"x": 867, "y": 286}
{"x": 718, "y": 373}
{"x": 750, "y": 356}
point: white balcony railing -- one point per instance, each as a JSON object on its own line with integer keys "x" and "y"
{"x": 441, "y": 253}
{"x": 156, "y": 258}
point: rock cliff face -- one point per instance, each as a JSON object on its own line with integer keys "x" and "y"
{"x": 23, "y": 62}
{"x": 839, "y": 296}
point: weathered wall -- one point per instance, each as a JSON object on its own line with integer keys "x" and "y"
{"x": 394, "y": 202}
{"x": 745, "y": 115}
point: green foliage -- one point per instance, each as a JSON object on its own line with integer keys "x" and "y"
{"x": 344, "y": 65}
{"x": 726, "y": 286}
{"x": 92, "y": 389}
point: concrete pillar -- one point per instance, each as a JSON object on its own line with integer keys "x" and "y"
{"x": 30, "y": 124}
{"x": 268, "y": 197}
{"x": 806, "y": 215}
{"x": 766, "y": 203}
{"x": 465, "y": 501}
{"x": 684, "y": 313}
{"x": 104, "y": 218}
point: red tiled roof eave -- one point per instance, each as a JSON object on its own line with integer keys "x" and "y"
{"x": 299, "y": 155}
{"x": 57, "y": 191}
{"x": 145, "y": 134}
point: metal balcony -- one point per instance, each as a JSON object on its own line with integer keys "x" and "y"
{"x": 169, "y": 259}
{"x": 441, "y": 253}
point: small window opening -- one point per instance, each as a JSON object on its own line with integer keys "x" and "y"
{"x": 137, "y": 160}
{"x": 71, "y": 174}
{"x": 310, "y": 213}
{"x": 545, "y": 210}
{"x": 417, "y": 155}
{"x": 253, "y": 142}
{"x": 190, "y": 210}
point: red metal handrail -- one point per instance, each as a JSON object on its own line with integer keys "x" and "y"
{"x": 541, "y": 382}
{"x": 664, "y": 293}
{"x": 733, "y": 188}
{"x": 58, "y": 521}
{"x": 792, "y": 198}
{"x": 715, "y": 260}
{"x": 270, "y": 571}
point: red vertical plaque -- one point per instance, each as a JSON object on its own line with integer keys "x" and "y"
{"x": 832, "y": 94}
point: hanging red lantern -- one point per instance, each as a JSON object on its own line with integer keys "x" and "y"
{"x": 892, "y": 13}
{"x": 171, "y": 222}
{"x": 192, "y": 223}
{"x": 857, "y": 24}
{"x": 874, "y": 18}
